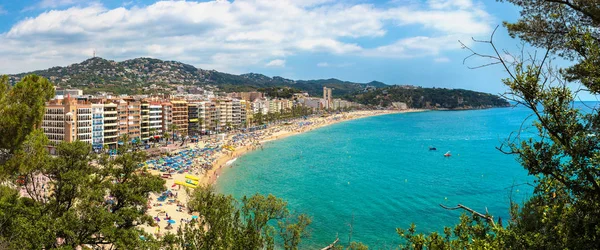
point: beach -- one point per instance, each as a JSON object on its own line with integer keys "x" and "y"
{"x": 172, "y": 205}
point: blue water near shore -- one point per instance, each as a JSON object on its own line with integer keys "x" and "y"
{"x": 380, "y": 170}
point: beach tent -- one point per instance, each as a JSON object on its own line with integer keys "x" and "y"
{"x": 191, "y": 177}
{"x": 186, "y": 184}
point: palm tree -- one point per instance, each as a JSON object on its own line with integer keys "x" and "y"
{"x": 152, "y": 134}
{"x": 258, "y": 117}
{"x": 200, "y": 123}
{"x": 173, "y": 127}
{"x": 166, "y": 137}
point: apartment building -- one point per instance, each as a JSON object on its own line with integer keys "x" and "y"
{"x": 97, "y": 126}
{"x": 224, "y": 114}
{"x": 193, "y": 118}
{"x": 236, "y": 113}
{"x": 84, "y": 122}
{"x": 155, "y": 119}
{"x": 247, "y": 96}
{"x": 68, "y": 120}
{"x": 328, "y": 98}
{"x": 111, "y": 124}
{"x": 180, "y": 116}
{"x": 246, "y": 113}
{"x": 122, "y": 116}
{"x": 67, "y": 92}
{"x": 167, "y": 116}
{"x": 260, "y": 106}
{"x": 275, "y": 106}
{"x": 134, "y": 118}
{"x": 342, "y": 104}
{"x": 207, "y": 111}
{"x": 145, "y": 121}
{"x": 101, "y": 121}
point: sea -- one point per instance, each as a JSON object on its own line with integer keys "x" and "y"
{"x": 359, "y": 180}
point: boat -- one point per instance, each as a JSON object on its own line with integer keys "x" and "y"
{"x": 447, "y": 154}
{"x": 432, "y": 148}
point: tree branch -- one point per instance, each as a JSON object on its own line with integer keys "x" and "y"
{"x": 489, "y": 218}
{"x": 332, "y": 245}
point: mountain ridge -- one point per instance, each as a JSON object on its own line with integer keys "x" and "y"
{"x": 97, "y": 71}
{"x": 133, "y": 76}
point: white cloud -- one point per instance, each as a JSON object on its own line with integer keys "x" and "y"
{"x": 2, "y": 10}
{"x": 235, "y": 35}
{"x": 334, "y": 65}
{"x": 416, "y": 47}
{"x": 276, "y": 63}
{"x": 441, "y": 59}
{"x": 446, "y": 4}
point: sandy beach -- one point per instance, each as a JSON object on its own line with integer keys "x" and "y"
{"x": 173, "y": 205}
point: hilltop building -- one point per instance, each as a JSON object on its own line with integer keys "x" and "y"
{"x": 327, "y": 97}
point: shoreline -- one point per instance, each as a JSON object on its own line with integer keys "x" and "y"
{"x": 174, "y": 207}
{"x": 215, "y": 172}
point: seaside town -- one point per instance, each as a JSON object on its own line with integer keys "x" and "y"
{"x": 190, "y": 138}
{"x": 297, "y": 124}
{"x": 101, "y": 120}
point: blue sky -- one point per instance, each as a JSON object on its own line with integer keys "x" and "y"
{"x": 393, "y": 41}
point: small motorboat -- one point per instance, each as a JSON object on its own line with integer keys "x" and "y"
{"x": 432, "y": 148}
{"x": 447, "y": 154}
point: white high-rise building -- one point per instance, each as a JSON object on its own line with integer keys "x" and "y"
{"x": 97, "y": 126}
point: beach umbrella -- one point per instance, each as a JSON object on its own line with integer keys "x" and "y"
{"x": 194, "y": 217}
{"x": 171, "y": 221}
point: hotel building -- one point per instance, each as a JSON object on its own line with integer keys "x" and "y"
{"x": 68, "y": 120}
{"x": 155, "y": 119}
{"x": 97, "y": 126}
{"x": 111, "y": 124}
{"x": 167, "y": 116}
{"x": 193, "y": 118}
{"x": 180, "y": 116}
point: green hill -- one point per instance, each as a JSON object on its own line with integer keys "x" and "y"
{"x": 429, "y": 98}
{"x": 98, "y": 74}
{"x": 129, "y": 77}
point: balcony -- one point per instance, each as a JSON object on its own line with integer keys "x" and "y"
{"x": 112, "y": 130}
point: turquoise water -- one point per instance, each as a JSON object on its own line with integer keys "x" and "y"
{"x": 380, "y": 170}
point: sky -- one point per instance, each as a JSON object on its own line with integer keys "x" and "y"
{"x": 412, "y": 42}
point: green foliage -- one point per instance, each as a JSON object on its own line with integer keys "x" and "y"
{"x": 66, "y": 197}
{"x": 564, "y": 209}
{"x": 416, "y": 97}
{"x": 471, "y": 232}
{"x": 129, "y": 77}
{"x": 21, "y": 111}
{"x": 293, "y": 231}
{"x": 223, "y": 224}
{"x": 279, "y": 92}
{"x": 61, "y": 201}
